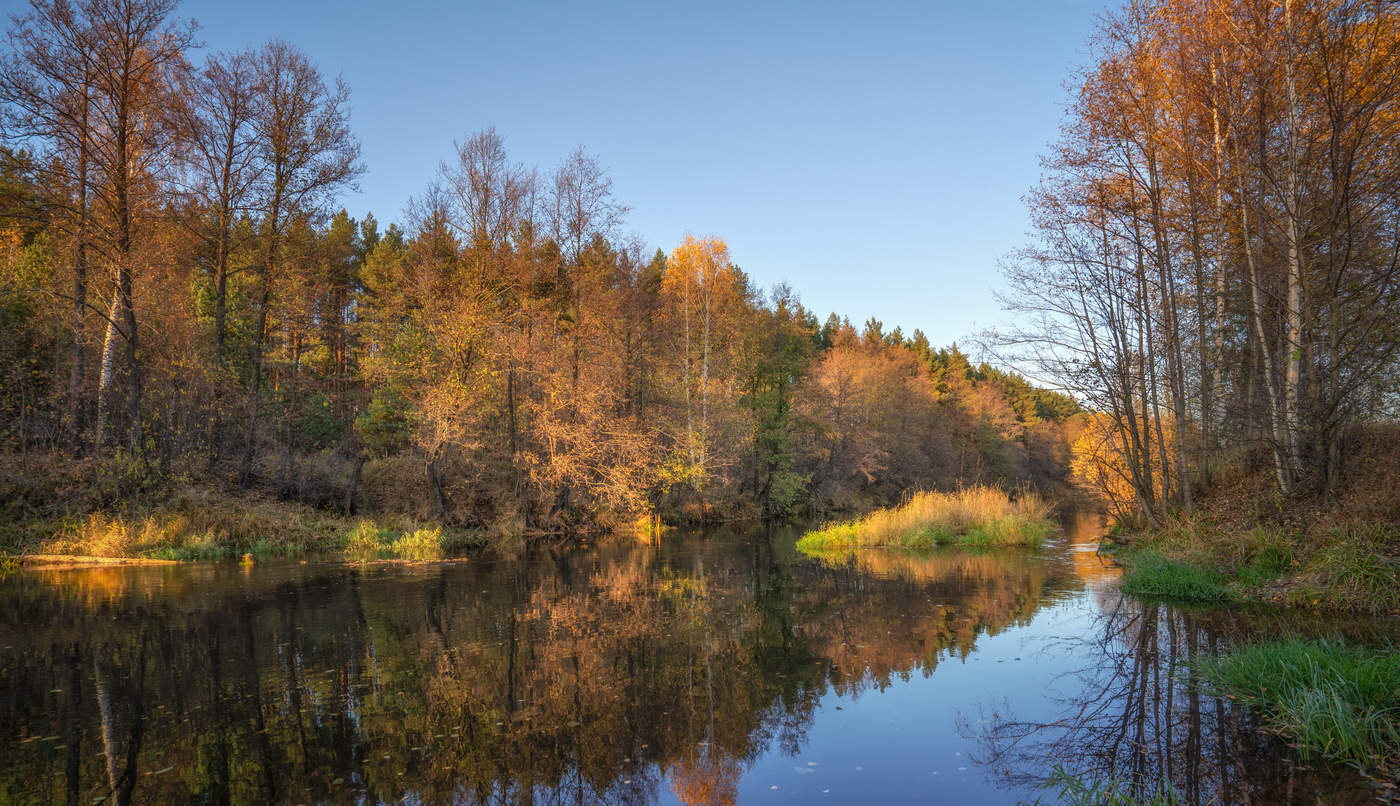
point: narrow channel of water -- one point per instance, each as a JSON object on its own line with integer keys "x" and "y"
{"x": 714, "y": 668}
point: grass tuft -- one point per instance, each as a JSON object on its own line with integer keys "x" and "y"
{"x": 368, "y": 542}
{"x": 1335, "y": 701}
{"x": 974, "y": 517}
{"x": 1155, "y": 576}
{"x": 1078, "y": 790}
{"x": 1352, "y": 566}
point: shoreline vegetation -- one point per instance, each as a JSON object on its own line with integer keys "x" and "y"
{"x": 1332, "y": 700}
{"x": 1348, "y": 567}
{"x": 200, "y": 525}
{"x": 971, "y": 517}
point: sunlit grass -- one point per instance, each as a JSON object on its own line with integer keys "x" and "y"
{"x": 1336, "y": 701}
{"x": 202, "y": 526}
{"x": 369, "y": 541}
{"x": 974, "y": 517}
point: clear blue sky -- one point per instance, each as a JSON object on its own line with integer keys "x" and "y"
{"x": 873, "y": 155}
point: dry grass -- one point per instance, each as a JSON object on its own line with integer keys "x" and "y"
{"x": 201, "y": 525}
{"x": 974, "y": 517}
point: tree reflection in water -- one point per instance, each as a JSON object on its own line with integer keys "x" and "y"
{"x": 1136, "y": 715}
{"x": 621, "y": 674}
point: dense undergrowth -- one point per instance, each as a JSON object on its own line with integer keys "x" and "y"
{"x": 973, "y": 517}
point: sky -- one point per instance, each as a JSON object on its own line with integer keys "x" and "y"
{"x": 872, "y": 155}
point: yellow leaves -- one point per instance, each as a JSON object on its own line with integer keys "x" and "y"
{"x": 697, "y": 262}
{"x": 1099, "y": 459}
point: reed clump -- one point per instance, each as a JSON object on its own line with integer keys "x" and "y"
{"x": 369, "y": 541}
{"x": 972, "y": 517}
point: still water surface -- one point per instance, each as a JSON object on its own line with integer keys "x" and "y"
{"x": 713, "y": 668}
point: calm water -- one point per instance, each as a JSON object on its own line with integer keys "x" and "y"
{"x": 710, "y": 669}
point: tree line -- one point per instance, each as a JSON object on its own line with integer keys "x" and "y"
{"x": 180, "y": 294}
{"x": 1214, "y": 263}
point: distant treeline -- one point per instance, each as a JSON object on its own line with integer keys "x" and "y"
{"x": 176, "y": 293}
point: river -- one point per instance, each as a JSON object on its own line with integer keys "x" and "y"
{"x": 713, "y": 667}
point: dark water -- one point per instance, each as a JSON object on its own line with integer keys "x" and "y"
{"x": 710, "y": 669}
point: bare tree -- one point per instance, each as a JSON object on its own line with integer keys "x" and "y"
{"x": 308, "y": 152}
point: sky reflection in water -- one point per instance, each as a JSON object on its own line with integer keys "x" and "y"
{"x": 710, "y": 669}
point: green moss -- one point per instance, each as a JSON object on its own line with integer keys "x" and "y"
{"x": 1336, "y": 701}
{"x": 1153, "y": 575}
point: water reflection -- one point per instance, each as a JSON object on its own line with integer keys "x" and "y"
{"x": 1134, "y": 713}
{"x": 696, "y": 671}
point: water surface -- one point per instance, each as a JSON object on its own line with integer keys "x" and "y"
{"x": 713, "y": 668}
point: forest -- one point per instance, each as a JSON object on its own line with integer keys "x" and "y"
{"x": 184, "y": 304}
{"x": 1215, "y": 268}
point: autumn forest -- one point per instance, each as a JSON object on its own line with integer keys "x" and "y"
{"x": 182, "y": 297}
{"x": 508, "y": 492}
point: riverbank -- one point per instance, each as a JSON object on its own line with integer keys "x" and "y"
{"x": 1346, "y": 566}
{"x": 1332, "y": 700}
{"x": 201, "y": 524}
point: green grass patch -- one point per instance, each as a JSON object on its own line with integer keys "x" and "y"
{"x": 368, "y": 542}
{"x": 1079, "y": 790}
{"x": 1152, "y": 575}
{"x": 976, "y": 517}
{"x": 1335, "y": 701}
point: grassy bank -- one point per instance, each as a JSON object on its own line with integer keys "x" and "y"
{"x": 203, "y": 525}
{"x": 1153, "y": 575}
{"x": 975, "y": 517}
{"x": 1334, "y": 701}
{"x": 1352, "y": 567}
